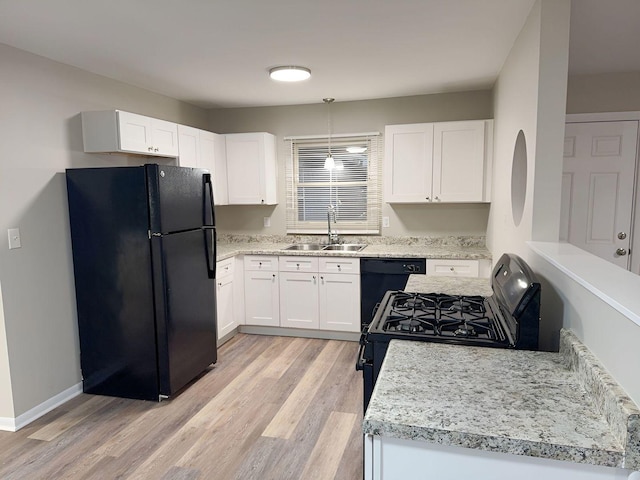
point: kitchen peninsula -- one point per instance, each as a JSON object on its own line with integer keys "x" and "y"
{"x": 462, "y": 412}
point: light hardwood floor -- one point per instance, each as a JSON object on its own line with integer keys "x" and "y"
{"x": 271, "y": 408}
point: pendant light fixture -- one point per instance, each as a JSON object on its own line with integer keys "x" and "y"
{"x": 330, "y": 163}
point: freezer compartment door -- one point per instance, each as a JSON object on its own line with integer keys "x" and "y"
{"x": 185, "y": 308}
{"x": 179, "y": 198}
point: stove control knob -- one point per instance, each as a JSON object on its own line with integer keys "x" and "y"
{"x": 621, "y": 252}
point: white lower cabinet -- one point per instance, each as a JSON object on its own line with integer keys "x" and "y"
{"x": 225, "y": 305}
{"x": 443, "y": 267}
{"x": 339, "y": 302}
{"x": 302, "y": 292}
{"x": 389, "y": 458}
{"x": 299, "y": 300}
{"x": 316, "y": 294}
{"x": 261, "y": 291}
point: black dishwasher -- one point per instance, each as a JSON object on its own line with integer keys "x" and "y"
{"x": 378, "y": 275}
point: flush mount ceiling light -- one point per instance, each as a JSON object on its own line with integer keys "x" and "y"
{"x": 289, "y": 73}
{"x": 356, "y": 149}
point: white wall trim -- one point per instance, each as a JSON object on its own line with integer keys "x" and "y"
{"x": 602, "y": 117}
{"x": 615, "y": 286}
{"x": 14, "y": 424}
{"x": 7, "y": 424}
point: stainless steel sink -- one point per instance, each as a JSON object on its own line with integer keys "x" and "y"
{"x": 346, "y": 247}
{"x": 316, "y": 247}
{"x": 306, "y": 247}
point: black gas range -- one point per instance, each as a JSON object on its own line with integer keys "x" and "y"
{"x": 509, "y": 318}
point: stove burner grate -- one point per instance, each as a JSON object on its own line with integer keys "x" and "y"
{"x": 428, "y": 315}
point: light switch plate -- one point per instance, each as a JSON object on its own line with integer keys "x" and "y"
{"x": 385, "y": 222}
{"x": 14, "y": 238}
{"x": 267, "y": 221}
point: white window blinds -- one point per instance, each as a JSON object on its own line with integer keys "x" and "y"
{"x": 352, "y": 185}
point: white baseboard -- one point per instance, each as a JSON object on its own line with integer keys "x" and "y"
{"x": 14, "y": 424}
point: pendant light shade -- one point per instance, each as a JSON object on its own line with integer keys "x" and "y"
{"x": 289, "y": 73}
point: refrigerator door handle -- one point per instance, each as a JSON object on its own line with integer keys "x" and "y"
{"x": 209, "y": 239}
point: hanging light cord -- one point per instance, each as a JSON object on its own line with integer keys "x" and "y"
{"x": 328, "y": 101}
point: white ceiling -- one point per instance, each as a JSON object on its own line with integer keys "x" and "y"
{"x": 216, "y": 53}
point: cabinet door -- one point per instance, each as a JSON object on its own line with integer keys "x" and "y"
{"x": 458, "y": 161}
{"x": 408, "y": 163}
{"x": 164, "y": 136}
{"x": 262, "y": 302}
{"x": 299, "y": 300}
{"x": 189, "y": 147}
{"x": 251, "y": 168}
{"x": 135, "y": 133}
{"x": 339, "y": 297}
{"x": 245, "y": 173}
{"x": 213, "y": 158}
{"x": 225, "y": 306}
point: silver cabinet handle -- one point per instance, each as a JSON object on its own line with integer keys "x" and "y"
{"x": 621, "y": 252}
{"x": 428, "y": 199}
{"x": 622, "y": 235}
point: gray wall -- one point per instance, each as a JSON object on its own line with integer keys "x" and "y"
{"x": 354, "y": 117}
{"x": 606, "y": 92}
{"x": 529, "y": 95}
{"x": 41, "y": 136}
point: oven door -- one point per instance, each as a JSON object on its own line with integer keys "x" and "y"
{"x": 365, "y": 364}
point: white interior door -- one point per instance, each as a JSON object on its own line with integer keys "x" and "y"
{"x": 597, "y": 188}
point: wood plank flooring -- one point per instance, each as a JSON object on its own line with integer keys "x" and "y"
{"x": 271, "y": 408}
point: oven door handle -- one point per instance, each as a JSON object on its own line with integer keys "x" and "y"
{"x": 361, "y": 360}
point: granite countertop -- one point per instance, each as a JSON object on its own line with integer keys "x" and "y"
{"x": 511, "y": 401}
{"x": 266, "y": 247}
{"x": 449, "y": 285}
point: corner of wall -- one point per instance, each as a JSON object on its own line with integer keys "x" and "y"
{"x": 7, "y": 410}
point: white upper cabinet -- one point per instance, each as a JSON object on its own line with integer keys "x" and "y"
{"x": 189, "y": 146}
{"x": 202, "y": 149}
{"x": 213, "y": 157}
{"x": 438, "y": 162}
{"x": 251, "y": 168}
{"x": 408, "y": 163}
{"x": 117, "y": 131}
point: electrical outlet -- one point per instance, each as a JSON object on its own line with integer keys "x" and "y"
{"x": 267, "y": 221}
{"x": 14, "y": 238}
{"x": 385, "y": 222}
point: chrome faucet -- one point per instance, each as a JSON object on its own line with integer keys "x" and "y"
{"x": 332, "y": 235}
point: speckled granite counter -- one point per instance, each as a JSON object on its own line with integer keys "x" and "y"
{"x": 449, "y": 285}
{"x": 540, "y": 404}
{"x": 472, "y": 252}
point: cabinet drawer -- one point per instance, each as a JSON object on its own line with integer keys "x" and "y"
{"x": 225, "y": 267}
{"x": 261, "y": 262}
{"x": 453, "y": 268}
{"x": 339, "y": 265}
{"x": 298, "y": 264}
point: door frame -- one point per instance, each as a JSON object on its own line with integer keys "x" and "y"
{"x": 635, "y": 212}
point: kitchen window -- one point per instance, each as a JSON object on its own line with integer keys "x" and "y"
{"x": 350, "y": 183}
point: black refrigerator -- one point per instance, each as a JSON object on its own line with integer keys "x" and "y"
{"x": 144, "y": 256}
